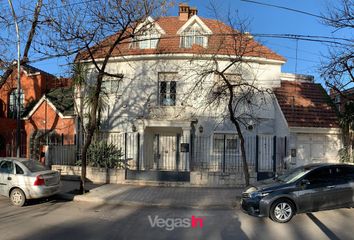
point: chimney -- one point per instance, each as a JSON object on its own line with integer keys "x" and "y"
{"x": 193, "y": 11}
{"x": 183, "y": 12}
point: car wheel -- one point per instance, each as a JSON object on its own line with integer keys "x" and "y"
{"x": 17, "y": 197}
{"x": 282, "y": 211}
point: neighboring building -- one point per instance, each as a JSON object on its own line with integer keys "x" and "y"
{"x": 35, "y": 83}
{"x": 178, "y": 132}
{"x": 311, "y": 121}
{"x": 340, "y": 99}
{"x": 51, "y": 121}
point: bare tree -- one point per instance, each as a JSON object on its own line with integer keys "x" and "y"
{"x": 338, "y": 68}
{"x": 29, "y": 21}
{"x": 235, "y": 86}
{"x": 94, "y": 30}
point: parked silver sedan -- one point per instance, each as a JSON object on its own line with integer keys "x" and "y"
{"x": 22, "y": 179}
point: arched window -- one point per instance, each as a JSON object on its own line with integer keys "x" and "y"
{"x": 12, "y": 113}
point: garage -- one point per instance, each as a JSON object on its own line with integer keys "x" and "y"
{"x": 312, "y": 148}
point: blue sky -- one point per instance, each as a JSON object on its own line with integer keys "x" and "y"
{"x": 266, "y": 20}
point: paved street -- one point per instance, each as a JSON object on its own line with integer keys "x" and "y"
{"x": 55, "y": 219}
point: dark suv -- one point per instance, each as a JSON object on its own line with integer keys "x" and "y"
{"x": 304, "y": 189}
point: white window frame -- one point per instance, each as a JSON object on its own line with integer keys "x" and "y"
{"x": 168, "y": 78}
{"x": 228, "y": 136}
{"x": 110, "y": 81}
{"x": 148, "y": 40}
{"x": 191, "y": 35}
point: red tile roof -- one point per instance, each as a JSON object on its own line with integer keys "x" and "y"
{"x": 306, "y": 105}
{"x": 220, "y": 42}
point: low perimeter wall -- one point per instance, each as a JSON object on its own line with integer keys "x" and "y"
{"x": 93, "y": 174}
{"x": 197, "y": 178}
{"x": 217, "y": 179}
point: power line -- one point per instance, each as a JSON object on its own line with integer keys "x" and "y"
{"x": 291, "y": 48}
{"x": 288, "y": 9}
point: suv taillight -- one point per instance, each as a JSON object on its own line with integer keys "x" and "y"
{"x": 39, "y": 181}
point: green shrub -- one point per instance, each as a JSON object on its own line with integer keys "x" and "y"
{"x": 105, "y": 155}
{"x": 344, "y": 155}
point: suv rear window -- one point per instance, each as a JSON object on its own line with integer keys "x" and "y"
{"x": 34, "y": 166}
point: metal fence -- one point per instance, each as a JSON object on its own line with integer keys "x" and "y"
{"x": 221, "y": 154}
{"x": 215, "y": 153}
{"x": 61, "y": 155}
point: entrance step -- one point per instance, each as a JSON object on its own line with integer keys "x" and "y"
{"x": 159, "y": 176}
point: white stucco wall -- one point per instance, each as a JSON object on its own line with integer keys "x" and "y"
{"x": 137, "y": 96}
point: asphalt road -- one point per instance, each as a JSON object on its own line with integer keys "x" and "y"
{"x": 54, "y": 219}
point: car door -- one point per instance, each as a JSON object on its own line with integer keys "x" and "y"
{"x": 6, "y": 169}
{"x": 315, "y": 190}
{"x": 338, "y": 191}
{"x": 347, "y": 173}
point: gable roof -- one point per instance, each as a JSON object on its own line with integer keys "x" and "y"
{"x": 306, "y": 104}
{"x": 221, "y": 42}
{"x": 28, "y": 69}
{"x": 60, "y": 99}
{"x": 194, "y": 19}
{"x": 149, "y": 24}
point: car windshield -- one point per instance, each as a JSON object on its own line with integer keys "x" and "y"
{"x": 34, "y": 166}
{"x": 293, "y": 175}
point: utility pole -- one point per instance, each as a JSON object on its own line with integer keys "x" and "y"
{"x": 18, "y": 103}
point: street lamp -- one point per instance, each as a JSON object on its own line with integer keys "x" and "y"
{"x": 18, "y": 113}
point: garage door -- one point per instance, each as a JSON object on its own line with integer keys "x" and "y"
{"x": 310, "y": 148}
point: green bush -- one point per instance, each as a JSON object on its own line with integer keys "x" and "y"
{"x": 105, "y": 155}
{"x": 344, "y": 155}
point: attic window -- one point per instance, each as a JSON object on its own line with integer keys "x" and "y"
{"x": 194, "y": 35}
{"x": 146, "y": 40}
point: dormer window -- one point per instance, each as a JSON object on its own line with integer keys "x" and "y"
{"x": 147, "y": 34}
{"x": 194, "y": 31}
{"x": 147, "y": 40}
{"x": 194, "y": 35}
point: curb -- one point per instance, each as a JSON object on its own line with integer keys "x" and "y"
{"x": 80, "y": 198}
{"x": 66, "y": 196}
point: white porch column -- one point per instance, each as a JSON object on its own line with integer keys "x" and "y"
{"x": 141, "y": 148}
{"x": 185, "y": 161}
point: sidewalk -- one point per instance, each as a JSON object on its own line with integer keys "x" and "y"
{"x": 151, "y": 196}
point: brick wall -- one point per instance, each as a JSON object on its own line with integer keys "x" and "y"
{"x": 45, "y": 118}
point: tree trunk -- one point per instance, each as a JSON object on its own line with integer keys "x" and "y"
{"x": 239, "y": 132}
{"x": 88, "y": 140}
{"x": 243, "y": 151}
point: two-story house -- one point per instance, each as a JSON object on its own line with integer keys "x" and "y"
{"x": 164, "y": 99}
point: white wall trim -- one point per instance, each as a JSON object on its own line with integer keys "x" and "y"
{"x": 190, "y": 21}
{"x": 38, "y": 104}
{"x": 166, "y": 123}
{"x": 153, "y": 22}
{"x": 177, "y": 56}
{"x": 315, "y": 130}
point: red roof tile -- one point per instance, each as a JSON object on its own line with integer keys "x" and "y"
{"x": 220, "y": 42}
{"x": 306, "y": 105}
